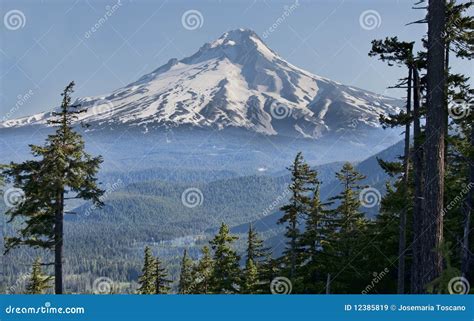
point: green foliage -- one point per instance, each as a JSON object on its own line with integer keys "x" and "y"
{"x": 314, "y": 241}
{"x": 203, "y": 272}
{"x": 250, "y": 283}
{"x": 226, "y": 273}
{"x": 186, "y": 276}
{"x": 160, "y": 278}
{"x": 348, "y": 228}
{"x": 38, "y": 282}
{"x": 441, "y": 284}
{"x": 60, "y": 170}
{"x": 302, "y": 183}
{"x": 147, "y": 279}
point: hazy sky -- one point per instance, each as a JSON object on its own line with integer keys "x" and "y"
{"x": 45, "y": 44}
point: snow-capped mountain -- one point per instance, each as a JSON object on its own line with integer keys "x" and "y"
{"x": 235, "y": 81}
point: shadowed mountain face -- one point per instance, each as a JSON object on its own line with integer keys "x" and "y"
{"x": 235, "y": 81}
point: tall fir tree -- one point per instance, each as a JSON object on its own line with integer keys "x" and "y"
{"x": 202, "y": 273}
{"x": 348, "y": 226}
{"x": 147, "y": 278}
{"x": 250, "y": 280}
{"x": 186, "y": 275}
{"x": 256, "y": 251}
{"x": 160, "y": 278}
{"x": 38, "y": 282}
{"x": 302, "y": 178}
{"x": 255, "y": 262}
{"x": 61, "y": 170}
{"x": 394, "y": 51}
{"x": 226, "y": 273}
{"x": 314, "y": 272}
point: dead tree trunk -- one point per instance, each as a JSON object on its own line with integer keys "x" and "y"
{"x": 403, "y": 214}
{"x": 58, "y": 244}
{"x": 418, "y": 182}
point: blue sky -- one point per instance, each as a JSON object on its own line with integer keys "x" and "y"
{"x": 50, "y": 46}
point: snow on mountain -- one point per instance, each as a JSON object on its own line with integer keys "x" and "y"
{"x": 235, "y": 81}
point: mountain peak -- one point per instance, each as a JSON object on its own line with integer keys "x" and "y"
{"x": 235, "y": 81}
{"x": 233, "y": 45}
{"x": 236, "y": 37}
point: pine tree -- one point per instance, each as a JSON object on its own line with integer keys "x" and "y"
{"x": 38, "y": 283}
{"x": 186, "y": 275}
{"x": 401, "y": 53}
{"x": 301, "y": 184}
{"x": 348, "y": 226}
{"x": 202, "y": 273}
{"x": 250, "y": 284}
{"x": 160, "y": 277}
{"x": 147, "y": 279}
{"x": 63, "y": 171}
{"x": 225, "y": 276}
{"x": 255, "y": 248}
{"x": 256, "y": 256}
{"x": 313, "y": 240}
